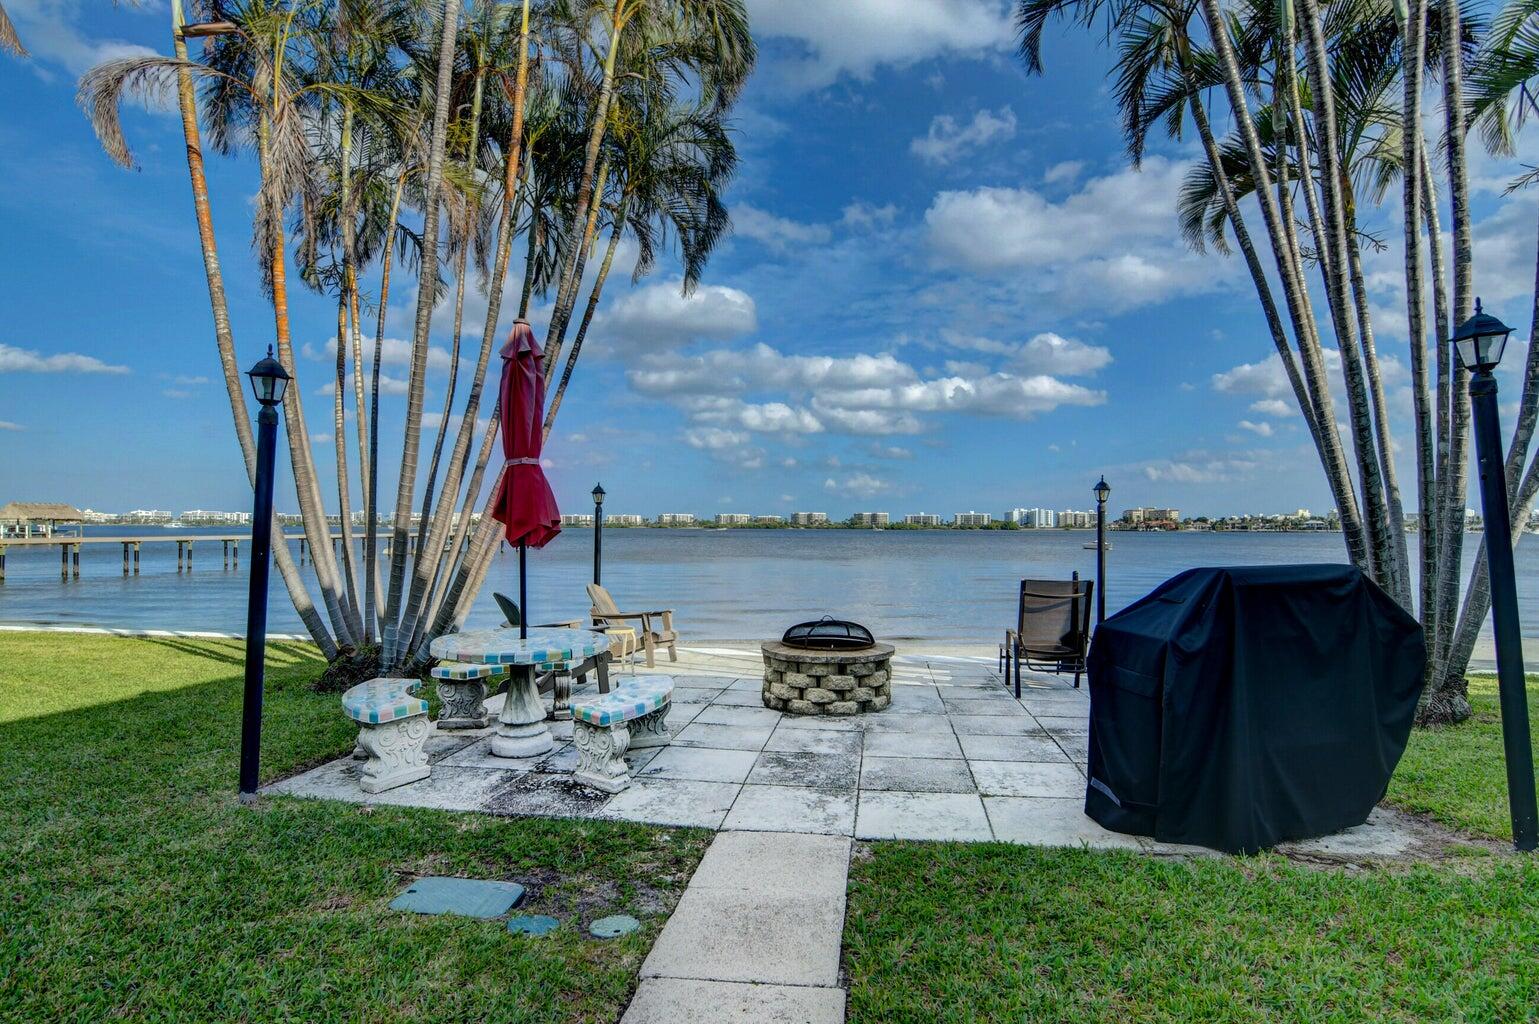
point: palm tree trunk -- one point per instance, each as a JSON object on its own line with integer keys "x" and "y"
{"x": 1522, "y": 487}
{"x": 426, "y": 280}
{"x": 224, "y": 339}
{"x": 566, "y": 292}
{"x": 355, "y": 337}
{"x": 1394, "y": 503}
{"x": 431, "y": 482}
{"x": 339, "y": 440}
{"x": 1360, "y": 418}
{"x": 556, "y": 339}
{"x": 1449, "y": 700}
{"x": 1293, "y": 290}
{"x": 373, "y": 598}
{"x": 427, "y": 579}
{"x": 1309, "y": 342}
{"x": 307, "y": 488}
{"x": 587, "y": 317}
{"x": 1413, "y": 59}
{"x": 531, "y": 258}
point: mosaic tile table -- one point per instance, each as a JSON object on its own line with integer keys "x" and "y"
{"x": 521, "y": 730}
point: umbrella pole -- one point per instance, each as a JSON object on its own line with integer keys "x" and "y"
{"x": 523, "y": 591}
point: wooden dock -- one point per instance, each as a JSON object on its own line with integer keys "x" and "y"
{"x": 69, "y": 549}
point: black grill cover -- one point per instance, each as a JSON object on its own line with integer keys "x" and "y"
{"x": 1238, "y": 708}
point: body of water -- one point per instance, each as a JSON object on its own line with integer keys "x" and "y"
{"x": 723, "y": 584}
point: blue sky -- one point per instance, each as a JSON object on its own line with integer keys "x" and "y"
{"x": 946, "y": 290}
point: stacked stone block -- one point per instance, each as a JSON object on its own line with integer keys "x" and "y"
{"x": 802, "y": 682}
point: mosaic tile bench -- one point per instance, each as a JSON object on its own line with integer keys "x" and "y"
{"x": 392, "y": 732}
{"x": 605, "y": 726}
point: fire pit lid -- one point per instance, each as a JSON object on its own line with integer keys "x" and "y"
{"x": 828, "y": 634}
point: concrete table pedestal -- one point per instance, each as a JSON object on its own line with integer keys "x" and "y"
{"x": 521, "y": 730}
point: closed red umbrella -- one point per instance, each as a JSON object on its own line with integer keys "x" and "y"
{"x": 524, "y": 504}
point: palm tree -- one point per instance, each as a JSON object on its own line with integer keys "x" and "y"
{"x": 416, "y": 381}
{"x": 100, "y": 93}
{"x": 9, "y": 41}
{"x": 1333, "y": 135}
{"x": 673, "y": 163}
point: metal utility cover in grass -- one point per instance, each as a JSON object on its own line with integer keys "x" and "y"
{"x": 533, "y": 925}
{"x": 470, "y": 897}
{"x": 614, "y": 926}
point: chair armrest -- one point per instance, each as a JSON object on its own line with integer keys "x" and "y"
{"x": 619, "y": 616}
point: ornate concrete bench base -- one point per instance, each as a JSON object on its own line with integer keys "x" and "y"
{"x": 462, "y": 689}
{"x": 393, "y": 730}
{"x": 635, "y": 716}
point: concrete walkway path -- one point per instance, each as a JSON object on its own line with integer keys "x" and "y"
{"x": 755, "y": 937}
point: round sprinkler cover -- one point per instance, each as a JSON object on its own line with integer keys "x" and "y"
{"x": 614, "y": 926}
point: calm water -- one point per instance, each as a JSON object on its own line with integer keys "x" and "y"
{"x": 724, "y": 585}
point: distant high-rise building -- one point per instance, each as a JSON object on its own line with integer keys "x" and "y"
{"x": 972, "y": 519}
{"x": 921, "y": 519}
{"x": 676, "y": 519}
{"x": 869, "y": 519}
{"x": 1151, "y": 515}
{"x": 733, "y": 518}
{"x": 809, "y": 518}
{"x": 145, "y": 517}
{"x": 203, "y": 517}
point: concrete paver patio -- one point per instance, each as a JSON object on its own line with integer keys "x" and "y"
{"x": 956, "y": 756}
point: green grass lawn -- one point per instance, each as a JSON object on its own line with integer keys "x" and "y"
{"x": 1455, "y": 775}
{"x": 136, "y": 888}
{"x": 954, "y": 932}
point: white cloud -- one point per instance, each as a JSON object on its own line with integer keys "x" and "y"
{"x": 778, "y": 233}
{"x": 854, "y": 37}
{"x": 1113, "y": 243}
{"x": 394, "y": 352}
{"x": 760, "y": 417}
{"x": 1201, "y": 468}
{"x": 1271, "y": 407}
{"x": 53, "y": 32}
{"x": 1052, "y": 353}
{"x": 1063, "y": 172}
{"x": 715, "y": 438}
{"x": 863, "y": 216}
{"x": 861, "y": 394}
{"x": 948, "y": 141}
{"x": 659, "y": 316}
{"x": 1259, "y": 429}
{"x": 26, "y": 360}
{"x": 388, "y": 385}
{"x": 857, "y": 485}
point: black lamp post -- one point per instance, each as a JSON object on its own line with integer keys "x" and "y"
{"x": 598, "y": 530}
{"x": 1102, "y": 492}
{"x": 268, "y": 381}
{"x": 1478, "y": 343}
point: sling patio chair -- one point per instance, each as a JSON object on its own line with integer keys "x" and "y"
{"x": 1052, "y": 629}
{"x": 655, "y": 628}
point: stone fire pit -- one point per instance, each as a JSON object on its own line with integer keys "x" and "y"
{"x": 810, "y": 682}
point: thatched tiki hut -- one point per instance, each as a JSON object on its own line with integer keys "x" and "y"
{"x": 40, "y": 518}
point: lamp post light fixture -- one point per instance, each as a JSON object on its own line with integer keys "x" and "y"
{"x": 1102, "y": 491}
{"x": 269, "y": 380}
{"x": 1478, "y": 344}
{"x": 598, "y": 531}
